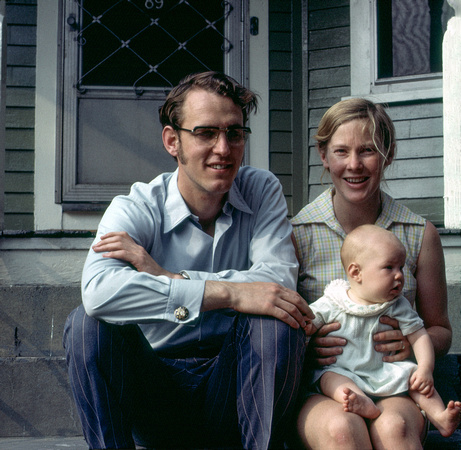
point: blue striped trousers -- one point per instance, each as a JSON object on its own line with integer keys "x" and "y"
{"x": 241, "y": 397}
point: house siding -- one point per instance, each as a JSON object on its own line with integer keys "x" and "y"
{"x": 21, "y": 19}
{"x": 280, "y": 95}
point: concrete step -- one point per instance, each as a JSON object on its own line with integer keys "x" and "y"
{"x": 50, "y": 443}
{"x": 434, "y": 442}
{"x": 35, "y": 399}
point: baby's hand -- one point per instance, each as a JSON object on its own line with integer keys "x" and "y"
{"x": 422, "y": 381}
{"x": 309, "y": 328}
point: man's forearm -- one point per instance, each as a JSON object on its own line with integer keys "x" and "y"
{"x": 259, "y": 298}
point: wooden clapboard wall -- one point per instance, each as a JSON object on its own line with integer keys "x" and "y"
{"x": 281, "y": 95}
{"x": 20, "y": 115}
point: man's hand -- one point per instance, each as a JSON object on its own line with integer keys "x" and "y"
{"x": 323, "y": 349}
{"x": 392, "y": 341}
{"x": 259, "y": 298}
{"x": 120, "y": 245}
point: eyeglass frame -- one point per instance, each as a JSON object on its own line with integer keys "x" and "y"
{"x": 247, "y": 130}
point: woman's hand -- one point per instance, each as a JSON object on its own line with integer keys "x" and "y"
{"x": 392, "y": 341}
{"x": 323, "y": 349}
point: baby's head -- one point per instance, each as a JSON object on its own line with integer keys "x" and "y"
{"x": 373, "y": 259}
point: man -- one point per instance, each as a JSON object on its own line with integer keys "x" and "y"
{"x": 190, "y": 333}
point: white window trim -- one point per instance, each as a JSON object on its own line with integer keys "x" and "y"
{"x": 364, "y": 66}
{"x": 48, "y": 215}
{"x": 258, "y": 145}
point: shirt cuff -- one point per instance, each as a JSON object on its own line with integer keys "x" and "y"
{"x": 185, "y": 301}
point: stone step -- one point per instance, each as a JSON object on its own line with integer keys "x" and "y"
{"x": 43, "y": 443}
{"x": 35, "y": 399}
{"x": 434, "y": 442}
{"x": 32, "y": 319}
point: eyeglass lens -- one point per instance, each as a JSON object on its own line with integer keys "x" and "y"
{"x": 235, "y": 136}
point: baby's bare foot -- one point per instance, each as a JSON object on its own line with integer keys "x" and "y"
{"x": 449, "y": 419}
{"x": 360, "y": 404}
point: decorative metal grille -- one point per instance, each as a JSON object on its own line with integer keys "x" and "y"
{"x": 149, "y": 43}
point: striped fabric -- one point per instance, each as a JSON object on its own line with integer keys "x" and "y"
{"x": 319, "y": 238}
{"x": 126, "y": 392}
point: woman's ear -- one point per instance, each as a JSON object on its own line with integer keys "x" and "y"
{"x": 354, "y": 272}
{"x": 170, "y": 140}
{"x": 324, "y": 158}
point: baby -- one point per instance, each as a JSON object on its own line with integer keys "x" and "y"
{"x": 373, "y": 259}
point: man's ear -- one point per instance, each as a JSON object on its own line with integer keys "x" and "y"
{"x": 354, "y": 272}
{"x": 170, "y": 140}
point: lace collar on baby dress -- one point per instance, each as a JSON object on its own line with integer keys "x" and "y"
{"x": 336, "y": 291}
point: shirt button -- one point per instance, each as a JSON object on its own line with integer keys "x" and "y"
{"x": 181, "y": 313}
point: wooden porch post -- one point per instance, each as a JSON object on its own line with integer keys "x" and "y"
{"x": 452, "y": 118}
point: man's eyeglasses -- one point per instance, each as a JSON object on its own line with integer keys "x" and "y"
{"x": 208, "y": 136}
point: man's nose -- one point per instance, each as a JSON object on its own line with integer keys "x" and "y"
{"x": 222, "y": 144}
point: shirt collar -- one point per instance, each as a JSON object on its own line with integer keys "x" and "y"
{"x": 176, "y": 209}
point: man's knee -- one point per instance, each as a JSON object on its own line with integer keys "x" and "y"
{"x": 270, "y": 330}
{"x": 270, "y": 339}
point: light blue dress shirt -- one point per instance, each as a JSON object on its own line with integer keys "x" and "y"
{"x": 252, "y": 242}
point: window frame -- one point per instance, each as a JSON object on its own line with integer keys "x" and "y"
{"x": 364, "y": 70}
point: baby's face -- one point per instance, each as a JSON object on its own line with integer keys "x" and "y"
{"x": 382, "y": 273}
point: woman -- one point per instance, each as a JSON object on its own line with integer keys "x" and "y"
{"x": 356, "y": 142}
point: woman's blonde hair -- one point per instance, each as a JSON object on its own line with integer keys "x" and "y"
{"x": 377, "y": 122}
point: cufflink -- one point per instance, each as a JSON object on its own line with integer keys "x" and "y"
{"x": 184, "y": 274}
{"x": 181, "y": 313}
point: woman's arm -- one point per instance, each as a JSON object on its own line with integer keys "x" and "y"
{"x": 431, "y": 303}
{"x": 431, "y": 293}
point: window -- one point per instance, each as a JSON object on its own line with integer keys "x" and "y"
{"x": 396, "y": 48}
{"x": 150, "y": 43}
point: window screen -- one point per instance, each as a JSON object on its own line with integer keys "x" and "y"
{"x": 410, "y": 36}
